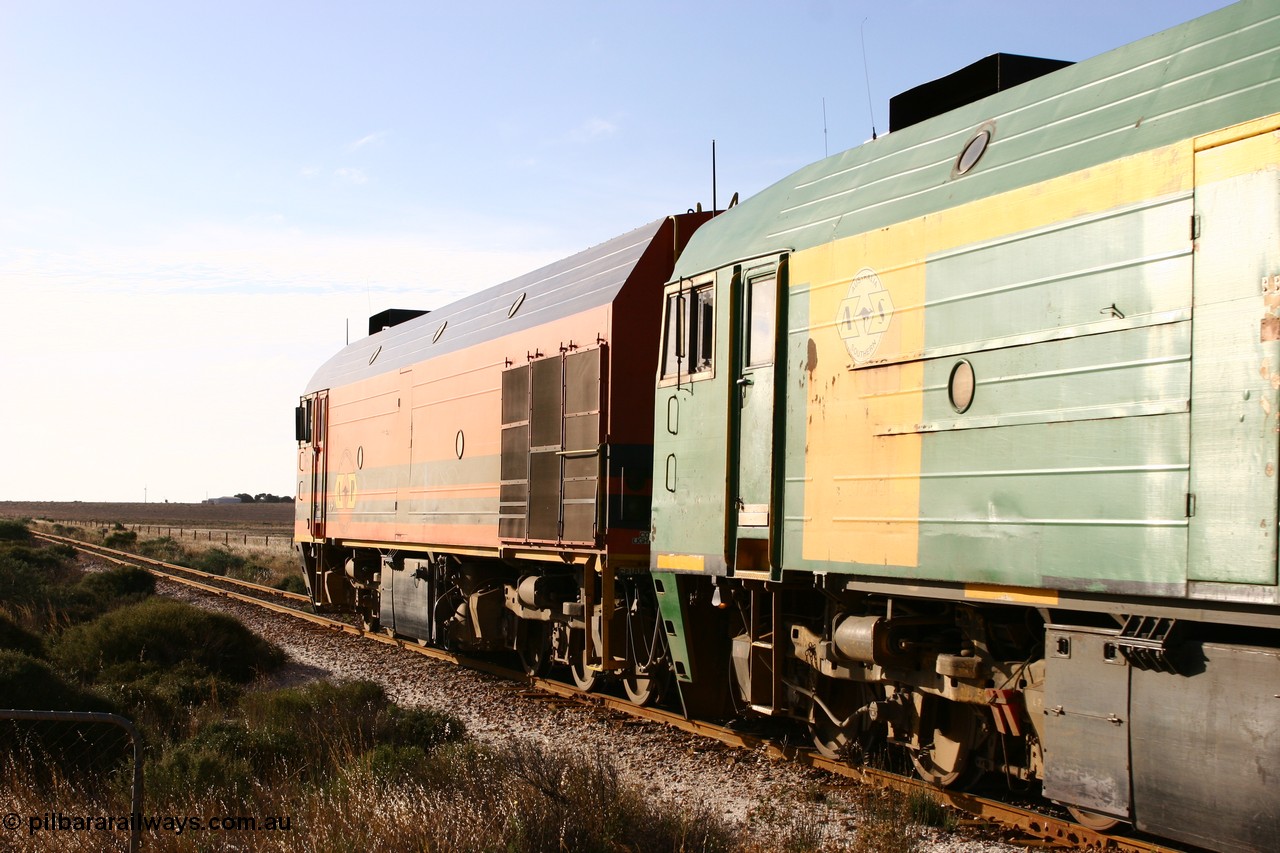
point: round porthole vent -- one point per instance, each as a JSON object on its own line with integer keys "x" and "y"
{"x": 515, "y": 306}
{"x": 459, "y": 444}
{"x": 972, "y": 151}
{"x": 961, "y": 385}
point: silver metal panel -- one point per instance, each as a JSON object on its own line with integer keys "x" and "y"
{"x": 585, "y": 280}
{"x": 409, "y": 589}
{"x": 1206, "y": 748}
{"x": 1086, "y": 724}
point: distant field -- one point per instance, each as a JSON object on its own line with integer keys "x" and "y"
{"x": 257, "y": 516}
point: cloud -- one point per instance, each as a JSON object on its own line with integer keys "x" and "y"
{"x": 368, "y": 140}
{"x": 349, "y": 175}
{"x": 593, "y": 129}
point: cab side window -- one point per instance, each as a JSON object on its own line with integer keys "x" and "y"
{"x": 688, "y": 340}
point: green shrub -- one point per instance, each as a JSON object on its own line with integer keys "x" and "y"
{"x": 218, "y": 561}
{"x": 399, "y": 765}
{"x": 32, "y": 684}
{"x": 27, "y": 573}
{"x": 157, "y": 634}
{"x": 347, "y": 713}
{"x": 121, "y": 540}
{"x": 121, "y": 583}
{"x": 292, "y": 583}
{"x": 269, "y": 753}
{"x": 188, "y": 770}
{"x": 162, "y": 701}
{"x": 16, "y": 638}
{"x": 420, "y": 727}
{"x": 14, "y": 530}
{"x": 164, "y": 548}
{"x": 348, "y": 719}
{"x": 98, "y": 592}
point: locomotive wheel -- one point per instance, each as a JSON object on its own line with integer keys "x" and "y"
{"x": 649, "y": 688}
{"x": 533, "y": 644}
{"x": 1093, "y": 820}
{"x": 846, "y": 742}
{"x": 585, "y": 679}
{"x": 946, "y": 759}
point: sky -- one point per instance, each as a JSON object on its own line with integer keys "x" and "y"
{"x": 200, "y": 202}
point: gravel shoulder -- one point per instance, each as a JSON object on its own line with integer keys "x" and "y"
{"x": 743, "y": 786}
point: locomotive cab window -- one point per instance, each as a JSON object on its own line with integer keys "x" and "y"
{"x": 761, "y": 311}
{"x": 688, "y": 339}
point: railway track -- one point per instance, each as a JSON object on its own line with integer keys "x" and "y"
{"x": 1039, "y": 829}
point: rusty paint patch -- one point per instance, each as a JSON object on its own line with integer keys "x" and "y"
{"x": 1270, "y": 329}
{"x": 1270, "y": 308}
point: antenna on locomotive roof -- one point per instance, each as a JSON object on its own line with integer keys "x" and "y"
{"x": 713, "y": 178}
{"x": 867, "y": 76}
{"x": 825, "y": 152}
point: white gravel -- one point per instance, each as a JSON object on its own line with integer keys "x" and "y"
{"x": 742, "y": 785}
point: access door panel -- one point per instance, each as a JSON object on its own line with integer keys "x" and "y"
{"x": 753, "y": 515}
{"x": 1235, "y": 404}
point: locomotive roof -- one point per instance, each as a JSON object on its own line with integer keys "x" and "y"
{"x": 585, "y": 280}
{"x": 1209, "y": 73}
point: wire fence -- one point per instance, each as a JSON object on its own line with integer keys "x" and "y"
{"x": 49, "y": 756}
{"x": 259, "y": 539}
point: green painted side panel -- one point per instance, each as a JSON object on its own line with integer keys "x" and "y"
{"x": 1095, "y": 505}
{"x": 1235, "y": 403}
{"x": 667, "y": 592}
{"x": 690, "y": 453}
{"x": 1080, "y": 276}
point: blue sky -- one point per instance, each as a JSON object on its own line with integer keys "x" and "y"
{"x": 196, "y": 200}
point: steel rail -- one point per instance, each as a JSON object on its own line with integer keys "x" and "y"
{"x": 1045, "y": 829}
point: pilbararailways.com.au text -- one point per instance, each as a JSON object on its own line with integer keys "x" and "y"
{"x": 176, "y": 824}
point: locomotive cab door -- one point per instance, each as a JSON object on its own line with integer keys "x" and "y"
{"x": 757, "y": 346}
{"x": 315, "y": 464}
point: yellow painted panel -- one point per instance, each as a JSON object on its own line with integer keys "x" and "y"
{"x": 1237, "y": 132}
{"x": 871, "y": 519}
{"x": 1241, "y": 157}
{"x": 866, "y": 305}
{"x": 681, "y": 562}
{"x": 1020, "y": 595}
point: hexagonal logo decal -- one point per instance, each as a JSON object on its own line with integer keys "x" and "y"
{"x": 864, "y": 316}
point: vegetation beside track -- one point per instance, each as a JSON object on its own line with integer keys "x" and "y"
{"x": 347, "y": 768}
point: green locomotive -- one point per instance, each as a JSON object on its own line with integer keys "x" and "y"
{"x": 966, "y": 439}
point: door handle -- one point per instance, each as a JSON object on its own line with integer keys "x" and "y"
{"x": 744, "y": 381}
